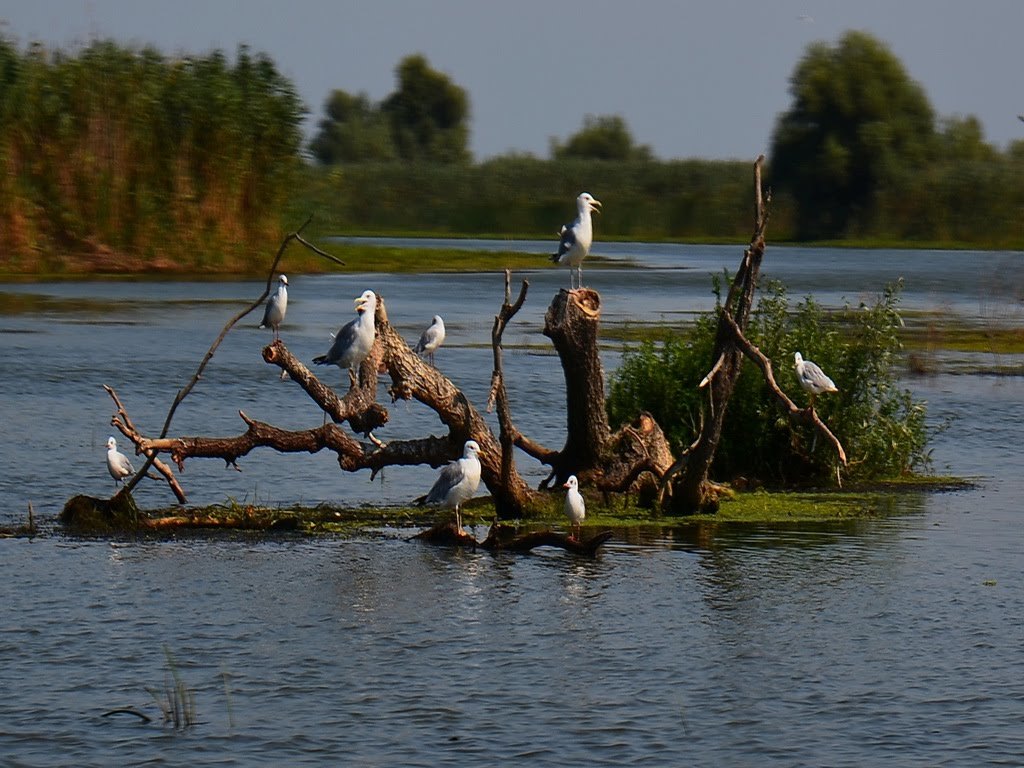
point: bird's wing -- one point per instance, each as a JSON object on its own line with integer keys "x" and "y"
{"x": 421, "y": 345}
{"x": 450, "y": 476}
{"x": 125, "y": 464}
{"x": 812, "y": 372}
{"x": 429, "y": 340}
{"x": 271, "y": 308}
{"x": 343, "y": 340}
{"x": 567, "y": 241}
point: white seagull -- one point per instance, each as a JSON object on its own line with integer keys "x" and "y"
{"x": 352, "y": 343}
{"x": 457, "y": 482}
{"x": 812, "y": 378}
{"x": 117, "y": 463}
{"x": 576, "y": 237}
{"x": 431, "y": 339}
{"x": 277, "y": 305}
{"x": 575, "y": 507}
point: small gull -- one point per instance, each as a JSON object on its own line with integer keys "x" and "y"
{"x": 117, "y": 463}
{"x": 353, "y": 342}
{"x": 277, "y": 305}
{"x": 812, "y": 378}
{"x": 576, "y": 237}
{"x": 575, "y": 507}
{"x": 457, "y": 482}
{"x": 431, "y": 339}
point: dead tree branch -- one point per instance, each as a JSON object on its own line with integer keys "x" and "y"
{"x": 411, "y": 378}
{"x": 498, "y": 394}
{"x": 184, "y": 391}
{"x": 122, "y": 422}
{"x": 796, "y": 415}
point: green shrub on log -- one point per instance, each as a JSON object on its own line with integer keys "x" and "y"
{"x": 880, "y": 424}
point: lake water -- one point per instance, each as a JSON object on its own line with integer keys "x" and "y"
{"x": 895, "y": 641}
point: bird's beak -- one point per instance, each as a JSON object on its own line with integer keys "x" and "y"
{"x": 565, "y": 485}
{"x": 360, "y": 304}
{"x": 595, "y": 206}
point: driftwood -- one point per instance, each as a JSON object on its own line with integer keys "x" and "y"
{"x": 504, "y": 539}
{"x": 411, "y": 378}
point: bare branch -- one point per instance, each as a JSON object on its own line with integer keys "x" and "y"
{"x": 796, "y": 414}
{"x": 184, "y": 391}
{"x": 123, "y": 423}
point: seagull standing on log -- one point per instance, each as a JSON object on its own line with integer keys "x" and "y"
{"x": 431, "y": 339}
{"x": 812, "y": 378}
{"x": 577, "y": 237}
{"x": 575, "y": 507}
{"x": 457, "y": 482}
{"x": 355, "y": 339}
{"x": 277, "y": 305}
{"x": 118, "y": 464}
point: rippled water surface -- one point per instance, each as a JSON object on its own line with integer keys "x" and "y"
{"x": 896, "y": 641}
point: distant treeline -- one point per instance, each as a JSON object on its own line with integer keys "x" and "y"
{"x": 952, "y": 202}
{"x": 117, "y": 158}
{"x": 523, "y": 197}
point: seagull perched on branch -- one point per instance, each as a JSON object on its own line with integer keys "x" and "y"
{"x": 431, "y": 339}
{"x": 353, "y": 342}
{"x": 117, "y": 463}
{"x": 457, "y": 482}
{"x": 576, "y": 237}
{"x": 575, "y": 507}
{"x": 277, "y": 305}
{"x": 812, "y": 378}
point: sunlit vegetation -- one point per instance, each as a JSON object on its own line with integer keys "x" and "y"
{"x": 117, "y": 158}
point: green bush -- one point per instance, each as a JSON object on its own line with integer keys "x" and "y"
{"x": 879, "y": 423}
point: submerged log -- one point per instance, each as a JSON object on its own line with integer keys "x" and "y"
{"x": 503, "y": 538}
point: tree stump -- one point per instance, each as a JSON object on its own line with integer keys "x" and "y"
{"x": 571, "y": 323}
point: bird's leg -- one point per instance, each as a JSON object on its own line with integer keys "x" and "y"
{"x": 458, "y": 519}
{"x": 579, "y": 275}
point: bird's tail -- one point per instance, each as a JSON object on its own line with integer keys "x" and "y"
{"x": 320, "y": 360}
{"x": 555, "y": 257}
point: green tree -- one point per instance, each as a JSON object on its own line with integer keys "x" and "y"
{"x": 428, "y": 114}
{"x": 605, "y": 137}
{"x": 354, "y": 130}
{"x": 857, "y": 121}
{"x": 880, "y": 424}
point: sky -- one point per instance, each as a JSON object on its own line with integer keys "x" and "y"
{"x": 692, "y": 78}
